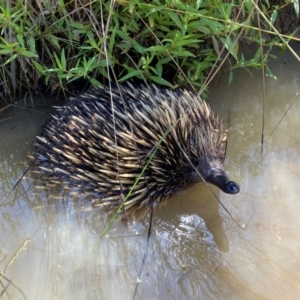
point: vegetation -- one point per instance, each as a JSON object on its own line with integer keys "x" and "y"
{"x": 55, "y": 44}
{"x": 61, "y": 45}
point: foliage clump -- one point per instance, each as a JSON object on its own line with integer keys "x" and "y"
{"x": 58, "y": 44}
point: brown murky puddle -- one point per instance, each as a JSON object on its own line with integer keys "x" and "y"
{"x": 48, "y": 244}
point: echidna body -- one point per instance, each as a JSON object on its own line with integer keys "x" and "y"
{"x": 102, "y": 140}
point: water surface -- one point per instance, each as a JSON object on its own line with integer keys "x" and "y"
{"x": 50, "y": 238}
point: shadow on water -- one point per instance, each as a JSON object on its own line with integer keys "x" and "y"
{"x": 49, "y": 236}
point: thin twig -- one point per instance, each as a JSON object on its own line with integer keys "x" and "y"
{"x": 284, "y": 114}
{"x": 263, "y": 89}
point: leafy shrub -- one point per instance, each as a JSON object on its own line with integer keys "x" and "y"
{"x": 173, "y": 43}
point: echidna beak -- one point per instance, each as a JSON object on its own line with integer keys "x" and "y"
{"x": 231, "y": 188}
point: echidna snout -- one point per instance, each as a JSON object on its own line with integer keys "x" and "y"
{"x": 212, "y": 171}
{"x": 231, "y": 188}
{"x": 222, "y": 181}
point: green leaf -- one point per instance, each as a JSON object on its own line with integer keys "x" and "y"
{"x": 54, "y": 40}
{"x": 257, "y": 55}
{"x": 159, "y": 69}
{"x": 64, "y": 76}
{"x": 187, "y": 42}
{"x": 215, "y": 45}
{"x": 86, "y": 47}
{"x": 95, "y": 82}
{"x": 90, "y": 63}
{"x": 138, "y": 48}
{"x": 112, "y": 38}
{"x": 198, "y": 26}
{"x": 198, "y": 3}
{"x": 183, "y": 53}
{"x": 175, "y": 18}
{"x": 38, "y": 66}
{"x": 164, "y": 28}
{"x": 296, "y": 7}
{"x": 133, "y": 73}
{"x": 229, "y": 45}
{"x": 131, "y": 7}
{"x": 121, "y": 34}
{"x": 274, "y": 16}
{"x": 27, "y": 53}
{"x": 6, "y": 51}
{"x": 13, "y": 57}
{"x": 156, "y": 9}
{"x": 57, "y": 61}
{"x": 165, "y": 60}
{"x": 103, "y": 63}
{"x": 151, "y": 21}
{"x": 20, "y": 39}
{"x": 270, "y": 73}
{"x": 161, "y": 81}
{"x": 31, "y": 42}
{"x": 63, "y": 59}
{"x": 77, "y": 25}
{"x": 152, "y": 69}
{"x": 158, "y": 48}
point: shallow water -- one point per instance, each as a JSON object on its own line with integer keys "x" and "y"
{"x": 50, "y": 245}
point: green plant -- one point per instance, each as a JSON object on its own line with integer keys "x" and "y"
{"x": 172, "y": 43}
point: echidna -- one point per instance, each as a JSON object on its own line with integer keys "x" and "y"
{"x": 102, "y": 140}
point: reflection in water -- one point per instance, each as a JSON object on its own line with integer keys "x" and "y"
{"x": 200, "y": 215}
{"x": 49, "y": 238}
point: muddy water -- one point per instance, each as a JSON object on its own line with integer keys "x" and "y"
{"x": 50, "y": 245}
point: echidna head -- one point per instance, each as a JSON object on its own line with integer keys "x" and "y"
{"x": 212, "y": 171}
